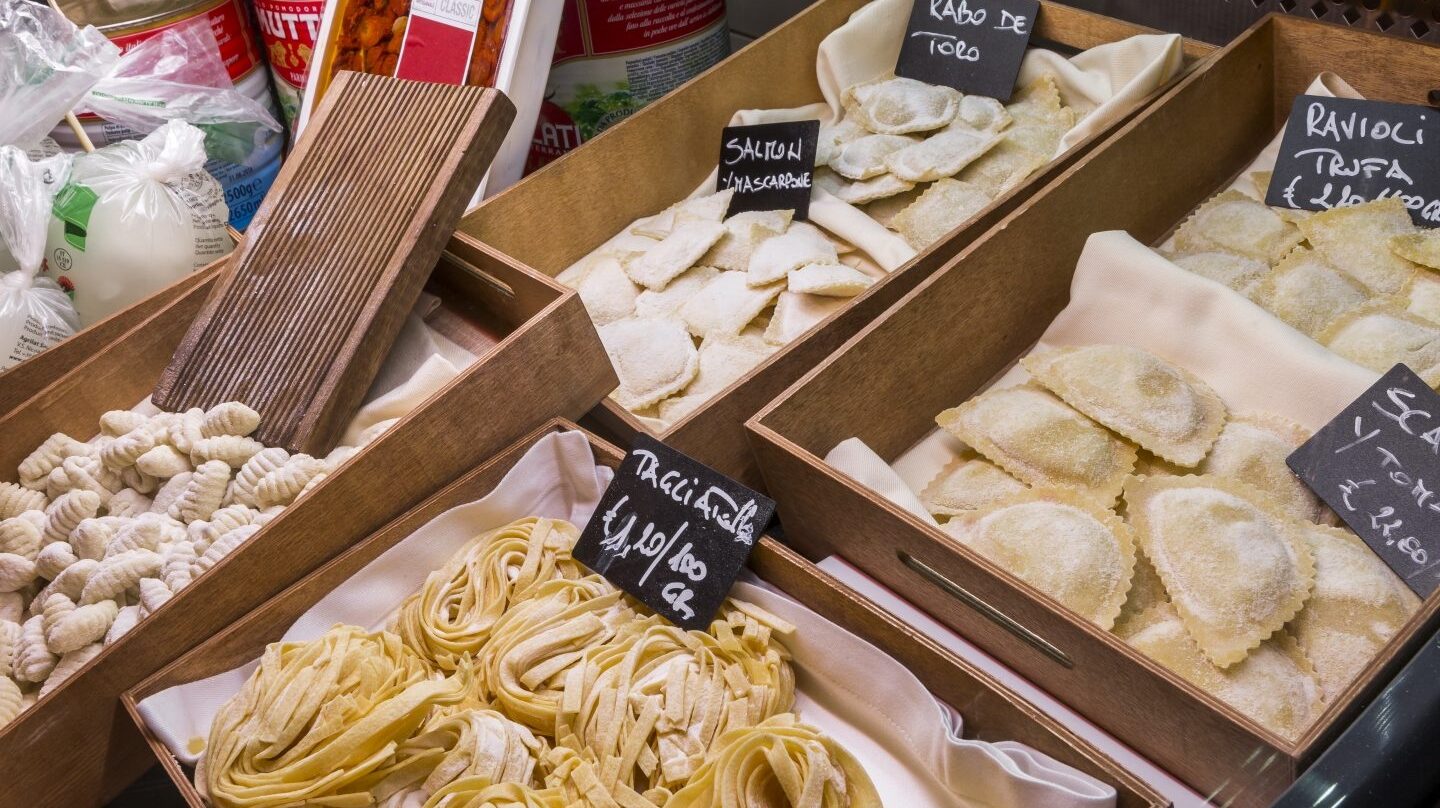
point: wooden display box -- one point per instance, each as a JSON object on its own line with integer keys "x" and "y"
{"x": 19, "y": 383}
{"x": 967, "y": 323}
{"x": 538, "y": 357}
{"x": 661, "y": 154}
{"x": 991, "y": 712}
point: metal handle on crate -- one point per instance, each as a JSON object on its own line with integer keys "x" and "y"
{"x": 995, "y": 616}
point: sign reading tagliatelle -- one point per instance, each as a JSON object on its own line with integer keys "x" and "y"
{"x": 1377, "y": 464}
{"x": 769, "y": 166}
{"x": 1344, "y": 151}
{"x": 975, "y": 46}
{"x": 673, "y": 532}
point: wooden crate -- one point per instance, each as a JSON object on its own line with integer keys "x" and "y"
{"x": 991, "y": 712}
{"x": 957, "y": 331}
{"x": 20, "y": 382}
{"x": 659, "y": 155}
{"x": 68, "y": 750}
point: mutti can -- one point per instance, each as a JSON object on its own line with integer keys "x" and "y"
{"x": 613, "y": 57}
{"x": 129, "y": 24}
{"x": 289, "y": 29}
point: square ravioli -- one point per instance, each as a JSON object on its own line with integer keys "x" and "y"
{"x": 944, "y": 206}
{"x": 727, "y": 304}
{"x": 1356, "y": 240}
{"x": 1236, "y": 223}
{"x": 967, "y": 483}
{"x": 1308, "y": 293}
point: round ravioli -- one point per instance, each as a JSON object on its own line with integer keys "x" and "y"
{"x": 1237, "y": 570}
{"x": 1160, "y": 406}
{"x": 1274, "y": 685}
{"x": 1357, "y": 605}
{"x": 1252, "y": 449}
{"x": 1040, "y": 440}
{"x": 1075, "y": 552}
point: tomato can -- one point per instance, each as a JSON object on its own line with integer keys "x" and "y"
{"x": 245, "y": 183}
{"x": 289, "y": 30}
{"x": 613, "y": 57}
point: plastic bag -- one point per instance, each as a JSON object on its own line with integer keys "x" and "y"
{"x": 179, "y": 75}
{"x": 135, "y": 216}
{"x": 46, "y": 66}
{"x": 34, "y": 312}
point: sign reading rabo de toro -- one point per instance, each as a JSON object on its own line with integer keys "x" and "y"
{"x": 673, "y": 533}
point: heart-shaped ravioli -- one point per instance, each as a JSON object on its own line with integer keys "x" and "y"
{"x": 1060, "y": 543}
{"x": 1235, "y": 567}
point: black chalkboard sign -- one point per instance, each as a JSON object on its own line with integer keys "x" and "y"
{"x": 1378, "y": 466}
{"x": 769, "y": 166}
{"x": 974, "y": 46}
{"x": 673, "y": 532}
{"x": 1343, "y": 151}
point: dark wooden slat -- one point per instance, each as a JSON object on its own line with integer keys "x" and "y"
{"x": 308, "y": 307}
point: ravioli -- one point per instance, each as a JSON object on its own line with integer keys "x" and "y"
{"x": 1060, "y": 543}
{"x": 895, "y": 106}
{"x": 1422, "y": 248}
{"x": 886, "y": 208}
{"x": 1236, "y": 569}
{"x": 942, "y": 155}
{"x": 1422, "y": 296}
{"x": 829, "y": 280}
{"x": 1358, "y": 604}
{"x": 1252, "y": 449}
{"x": 1003, "y": 167}
{"x": 1158, "y": 405}
{"x": 967, "y": 483}
{"x": 833, "y": 136}
{"x": 1239, "y": 272}
{"x": 944, "y": 206}
{"x": 1379, "y": 334}
{"x": 607, "y": 292}
{"x": 653, "y": 358}
{"x": 859, "y": 192}
{"x": 679, "y": 290}
{"x": 1274, "y": 686}
{"x": 1356, "y": 240}
{"x": 1040, "y": 440}
{"x": 802, "y": 244}
{"x": 743, "y": 232}
{"x": 1236, "y": 223}
{"x": 865, "y": 157}
{"x": 1146, "y": 592}
{"x": 795, "y": 314}
{"x": 679, "y": 251}
{"x": 1308, "y": 293}
{"x": 727, "y": 304}
{"x": 980, "y": 114}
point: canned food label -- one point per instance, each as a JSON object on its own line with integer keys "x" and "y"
{"x": 438, "y": 38}
{"x": 289, "y": 30}
{"x": 231, "y": 26}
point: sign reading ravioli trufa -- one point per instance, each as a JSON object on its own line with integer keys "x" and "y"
{"x": 974, "y": 46}
{"x": 1344, "y": 151}
{"x": 1377, "y": 464}
{"x": 769, "y": 166}
{"x": 673, "y": 532}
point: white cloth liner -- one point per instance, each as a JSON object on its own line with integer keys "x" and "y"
{"x": 1124, "y": 292}
{"x": 1102, "y": 84}
{"x": 909, "y": 744}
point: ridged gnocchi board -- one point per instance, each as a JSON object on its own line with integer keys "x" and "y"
{"x": 312, "y": 301}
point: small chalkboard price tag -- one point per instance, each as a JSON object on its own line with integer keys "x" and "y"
{"x": 1377, "y": 464}
{"x": 769, "y": 166}
{"x": 673, "y": 532}
{"x": 974, "y": 46}
{"x": 1344, "y": 151}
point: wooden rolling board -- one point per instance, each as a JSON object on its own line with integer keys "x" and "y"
{"x": 312, "y": 301}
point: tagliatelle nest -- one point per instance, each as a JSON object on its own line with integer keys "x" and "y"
{"x": 330, "y": 718}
